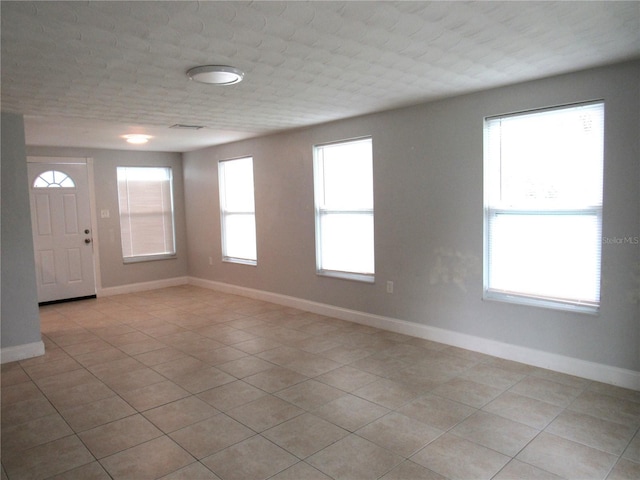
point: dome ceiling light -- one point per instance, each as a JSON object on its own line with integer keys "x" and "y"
{"x": 216, "y": 74}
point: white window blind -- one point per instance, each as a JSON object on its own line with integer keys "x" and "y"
{"x": 344, "y": 209}
{"x": 543, "y": 207}
{"x": 237, "y": 211}
{"x": 146, "y": 212}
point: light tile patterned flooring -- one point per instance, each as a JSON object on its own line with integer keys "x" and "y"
{"x": 188, "y": 383}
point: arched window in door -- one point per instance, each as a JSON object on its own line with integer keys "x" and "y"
{"x": 55, "y": 179}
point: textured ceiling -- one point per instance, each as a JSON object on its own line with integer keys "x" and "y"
{"x": 84, "y": 73}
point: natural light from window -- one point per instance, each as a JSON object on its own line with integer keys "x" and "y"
{"x": 543, "y": 207}
{"x": 344, "y": 209}
{"x": 53, "y": 179}
{"x": 145, "y": 198}
{"x": 237, "y": 211}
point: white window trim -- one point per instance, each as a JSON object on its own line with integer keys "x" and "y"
{"x": 319, "y": 211}
{"x": 224, "y": 212}
{"x": 149, "y": 258}
{"x": 358, "y": 277}
{"x": 157, "y": 256}
{"x": 505, "y": 296}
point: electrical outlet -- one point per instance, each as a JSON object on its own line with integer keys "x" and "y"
{"x": 104, "y": 213}
{"x": 389, "y": 286}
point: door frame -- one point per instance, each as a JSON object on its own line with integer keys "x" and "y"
{"x": 88, "y": 161}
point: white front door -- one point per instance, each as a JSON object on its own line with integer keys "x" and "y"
{"x": 62, "y": 236}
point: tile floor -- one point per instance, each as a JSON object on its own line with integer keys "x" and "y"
{"x": 188, "y": 383}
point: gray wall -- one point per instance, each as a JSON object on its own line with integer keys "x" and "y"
{"x": 19, "y": 295}
{"x": 113, "y": 271}
{"x": 428, "y": 212}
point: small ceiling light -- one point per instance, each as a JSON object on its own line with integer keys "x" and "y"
{"x": 216, "y": 74}
{"x": 136, "y": 138}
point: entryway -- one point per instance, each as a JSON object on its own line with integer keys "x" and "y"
{"x": 62, "y": 229}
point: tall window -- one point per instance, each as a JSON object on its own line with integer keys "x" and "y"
{"x": 237, "y": 211}
{"x": 344, "y": 209}
{"x": 145, "y": 196}
{"x": 543, "y": 207}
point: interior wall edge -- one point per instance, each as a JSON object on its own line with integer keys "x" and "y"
{"x": 21, "y": 352}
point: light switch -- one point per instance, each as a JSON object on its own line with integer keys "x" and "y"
{"x": 389, "y": 286}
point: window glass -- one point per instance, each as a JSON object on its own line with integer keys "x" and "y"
{"x": 237, "y": 211}
{"x": 543, "y": 207}
{"x": 53, "y": 179}
{"x": 344, "y": 209}
{"x": 145, "y": 197}
{"x": 347, "y": 172}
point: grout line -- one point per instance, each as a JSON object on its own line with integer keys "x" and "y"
{"x": 255, "y": 305}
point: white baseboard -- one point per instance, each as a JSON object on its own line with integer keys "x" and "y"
{"x": 538, "y": 358}
{"x": 21, "y": 352}
{"x": 142, "y": 287}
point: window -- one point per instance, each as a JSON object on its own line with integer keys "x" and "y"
{"x": 237, "y": 211}
{"x": 543, "y": 207}
{"x": 146, "y": 213}
{"x": 53, "y": 179}
{"x": 344, "y": 209}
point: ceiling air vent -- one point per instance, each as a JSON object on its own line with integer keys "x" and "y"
{"x": 182, "y": 126}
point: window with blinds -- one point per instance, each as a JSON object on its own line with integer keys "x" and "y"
{"x": 237, "y": 211}
{"x": 543, "y": 207}
{"x": 145, "y": 197}
{"x": 343, "y": 174}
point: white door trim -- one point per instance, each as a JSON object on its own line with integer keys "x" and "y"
{"x": 94, "y": 226}
{"x": 59, "y": 160}
{"x": 88, "y": 161}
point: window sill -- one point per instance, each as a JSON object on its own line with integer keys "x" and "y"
{"x": 240, "y": 261}
{"x": 358, "y": 277}
{"x": 542, "y": 302}
{"x": 149, "y": 258}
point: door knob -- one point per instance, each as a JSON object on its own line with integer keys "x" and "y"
{"x": 87, "y": 240}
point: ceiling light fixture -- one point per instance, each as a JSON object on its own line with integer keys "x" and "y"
{"x": 216, "y": 74}
{"x": 137, "y": 138}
